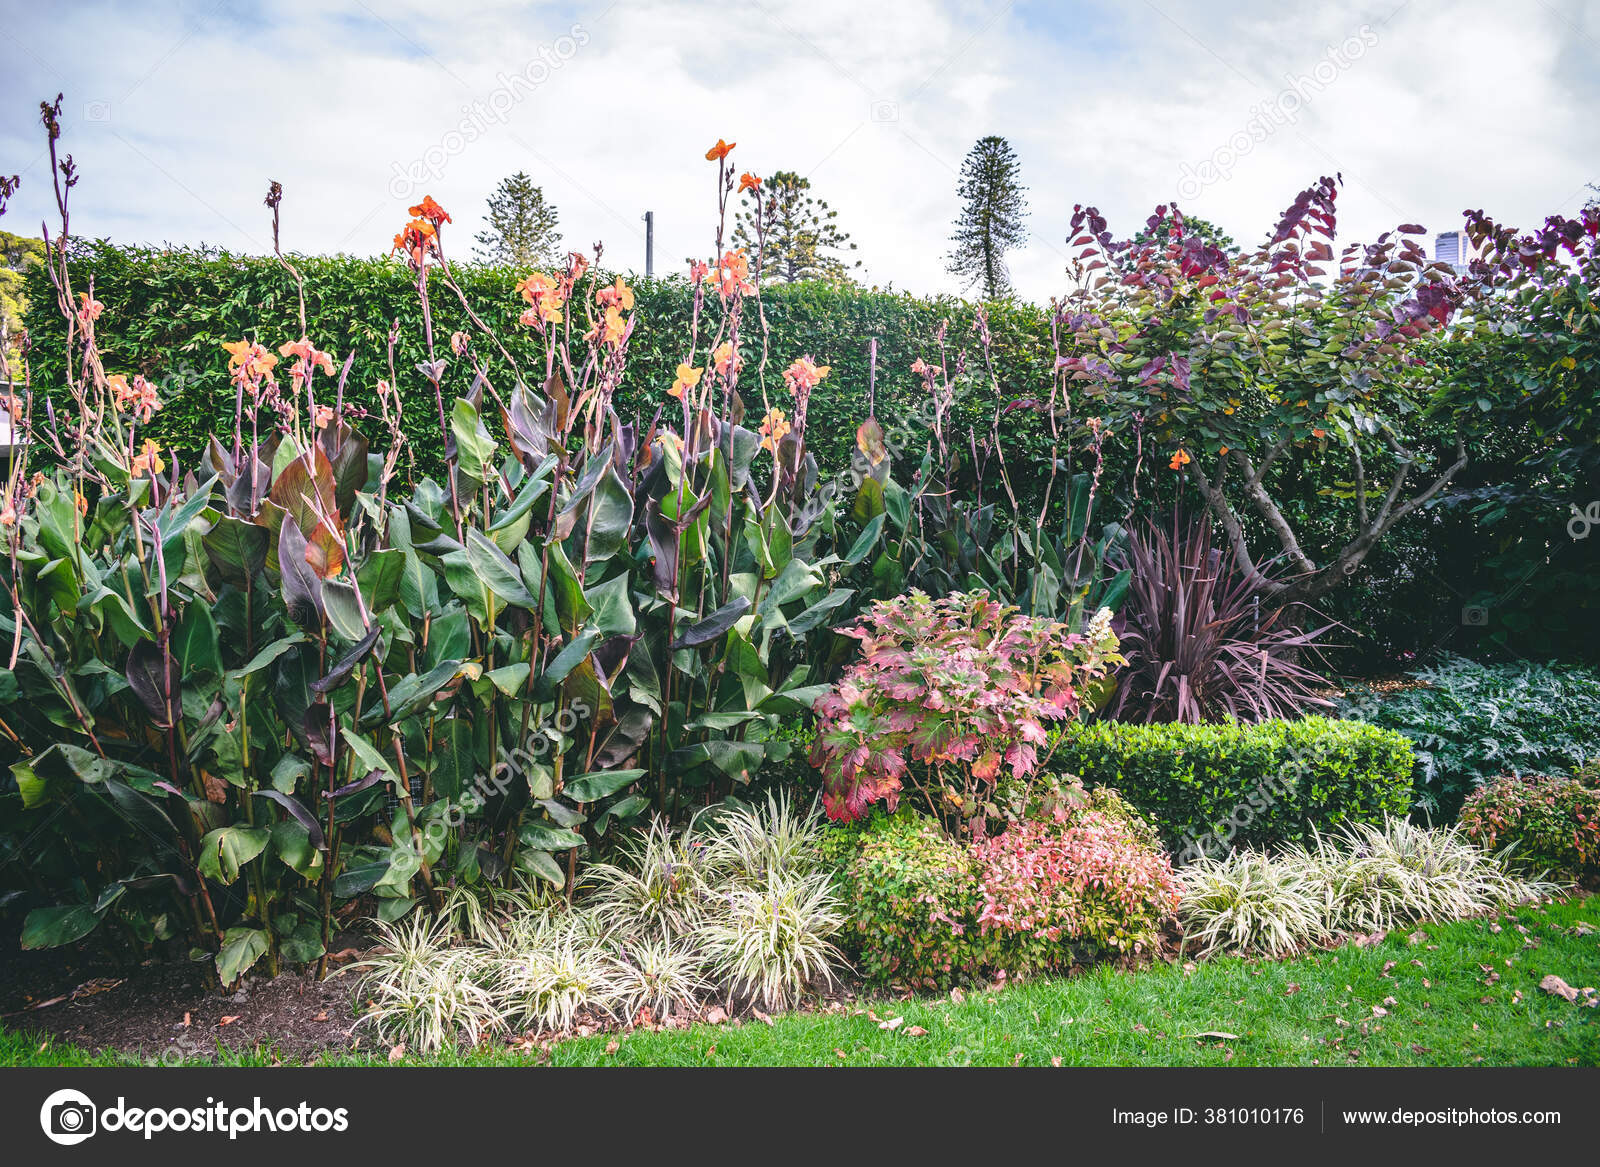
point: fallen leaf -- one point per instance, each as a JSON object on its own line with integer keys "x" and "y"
{"x": 1188, "y": 968}
{"x": 1557, "y": 987}
{"x": 839, "y": 1053}
{"x": 711, "y": 1049}
{"x": 397, "y": 1052}
{"x": 1017, "y": 1061}
{"x": 916, "y": 1031}
{"x": 716, "y": 1015}
{"x": 1055, "y": 1061}
{"x": 1291, "y": 990}
{"x": 892, "y": 1024}
{"x": 229, "y": 1020}
{"x": 612, "y": 1047}
{"x": 1217, "y": 1033}
{"x": 1389, "y": 1001}
{"x": 1379, "y": 1011}
{"x": 957, "y": 996}
{"x": 1387, "y": 965}
{"x": 760, "y": 1016}
{"x": 323, "y": 1016}
{"x": 1417, "y": 937}
{"x": 186, "y": 1021}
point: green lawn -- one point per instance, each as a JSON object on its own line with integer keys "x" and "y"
{"x": 1439, "y": 1008}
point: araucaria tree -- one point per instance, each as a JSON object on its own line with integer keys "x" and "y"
{"x": 990, "y": 224}
{"x": 522, "y": 226}
{"x": 801, "y": 240}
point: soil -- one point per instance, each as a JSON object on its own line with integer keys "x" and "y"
{"x": 170, "y": 1011}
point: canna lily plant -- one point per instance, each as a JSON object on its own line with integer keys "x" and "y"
{"x": 242, "y": 695}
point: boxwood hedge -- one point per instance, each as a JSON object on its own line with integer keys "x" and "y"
{"x": 1209, "y": 787}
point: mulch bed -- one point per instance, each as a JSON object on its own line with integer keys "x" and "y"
{"x": 168, "y": 1011}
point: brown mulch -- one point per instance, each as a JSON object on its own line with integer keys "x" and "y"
{"x": 170, "y": 1010}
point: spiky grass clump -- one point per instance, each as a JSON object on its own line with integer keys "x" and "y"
{"x": 739, "y": 903}
{"x": 423, "y": 991}
{"x": 656, "y": 889}
{"x": 1366, "y": 879}
{"x": 1248, "y": 902}
{"x": 771, "y": 940}
{"x": 1381, "y": 877}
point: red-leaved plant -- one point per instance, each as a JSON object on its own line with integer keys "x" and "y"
{"x": 1083, "y": 877}
{"x": 946, "y": 693}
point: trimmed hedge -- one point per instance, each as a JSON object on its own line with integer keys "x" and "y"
{"x": 167, "y": 311}
{"x": 1210, "y": 787}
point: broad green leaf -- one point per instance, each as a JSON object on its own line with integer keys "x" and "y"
{"x": 595, "y": 786}
{"x": 53, "y": 927}
{"x": 241, "y": 948}
{"x": 225, "y": 850}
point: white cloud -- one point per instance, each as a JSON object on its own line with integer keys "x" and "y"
{"x": 1475, "y": 105}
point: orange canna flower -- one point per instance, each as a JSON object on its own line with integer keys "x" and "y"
{"x": 249, "y": 363}
{"x": 613, "y": 326}
{"x": 1180, "y": 459}
{"x": 323, "y": 417}
{"x": 307, "y": 357}
{"x": 416, "y": 240}
{"x": 618, "y": 294}
{"x": 430, "y": 210}
{"x": 698, "y": 271}
{"x": 88, "y": 309}
{"x": 726, "y": 359}
{"x": 688, "y": 378}
{"x": 802, "y": 376}
{"x": 748, "y": 181}
{"x": 545, "y": 297}
{"x": 720, "y": 151}
{"x": 774, "y": 427}
{"x": 139, "y": 395}
{"x": 733, "y": 272}
{"x": 80, "y": 502}
{"x": 148, "y": 461}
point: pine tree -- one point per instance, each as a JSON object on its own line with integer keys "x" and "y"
{"x": 522, "y": 226}
{"x": 991, "y": 217}
{"x": 802, "y": 238}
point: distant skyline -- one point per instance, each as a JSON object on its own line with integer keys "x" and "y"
{"x": 179, "y": 114}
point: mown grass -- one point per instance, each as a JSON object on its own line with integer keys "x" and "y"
{"x": 1440, "y": 1008}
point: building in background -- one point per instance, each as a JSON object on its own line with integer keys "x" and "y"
{"x": 1452, "y": 247}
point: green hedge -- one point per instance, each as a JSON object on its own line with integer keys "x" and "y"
{"x": 1208, "y": 787}
{"x": 167, "y": 311}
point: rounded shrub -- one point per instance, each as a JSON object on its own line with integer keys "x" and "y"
{"x": 1551, "y": 823}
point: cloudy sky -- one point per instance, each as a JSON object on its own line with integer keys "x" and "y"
{"x": 179, "y": 113}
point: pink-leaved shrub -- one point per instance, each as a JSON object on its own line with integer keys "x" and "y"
{"x": 1085, "y": 877}
{"x": 947, "y": 693}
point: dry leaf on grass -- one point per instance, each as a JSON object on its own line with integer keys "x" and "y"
{"x": 612, "y": 1047}
{"x": 892, "y": 1023}
{"x": 1557, "y": 987}
{"x": 397, "y": 1052}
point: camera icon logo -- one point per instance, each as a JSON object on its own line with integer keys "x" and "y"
{"x": 68, "y": 1117}
{"x": 885, "y": 111}
{"x": 97, "y": 111}
{"x": 1475, "y": 616}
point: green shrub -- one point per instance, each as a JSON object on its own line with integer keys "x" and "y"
{"x": 1470, "y": 721}
{"x": 1084, "y": 880}
{"x": 1550, "y": 822}
{"x": 914, "y": 896}
{"x": 1209, "y": 787}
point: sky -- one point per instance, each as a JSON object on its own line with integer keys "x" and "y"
{"x": 180, "y": 113}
